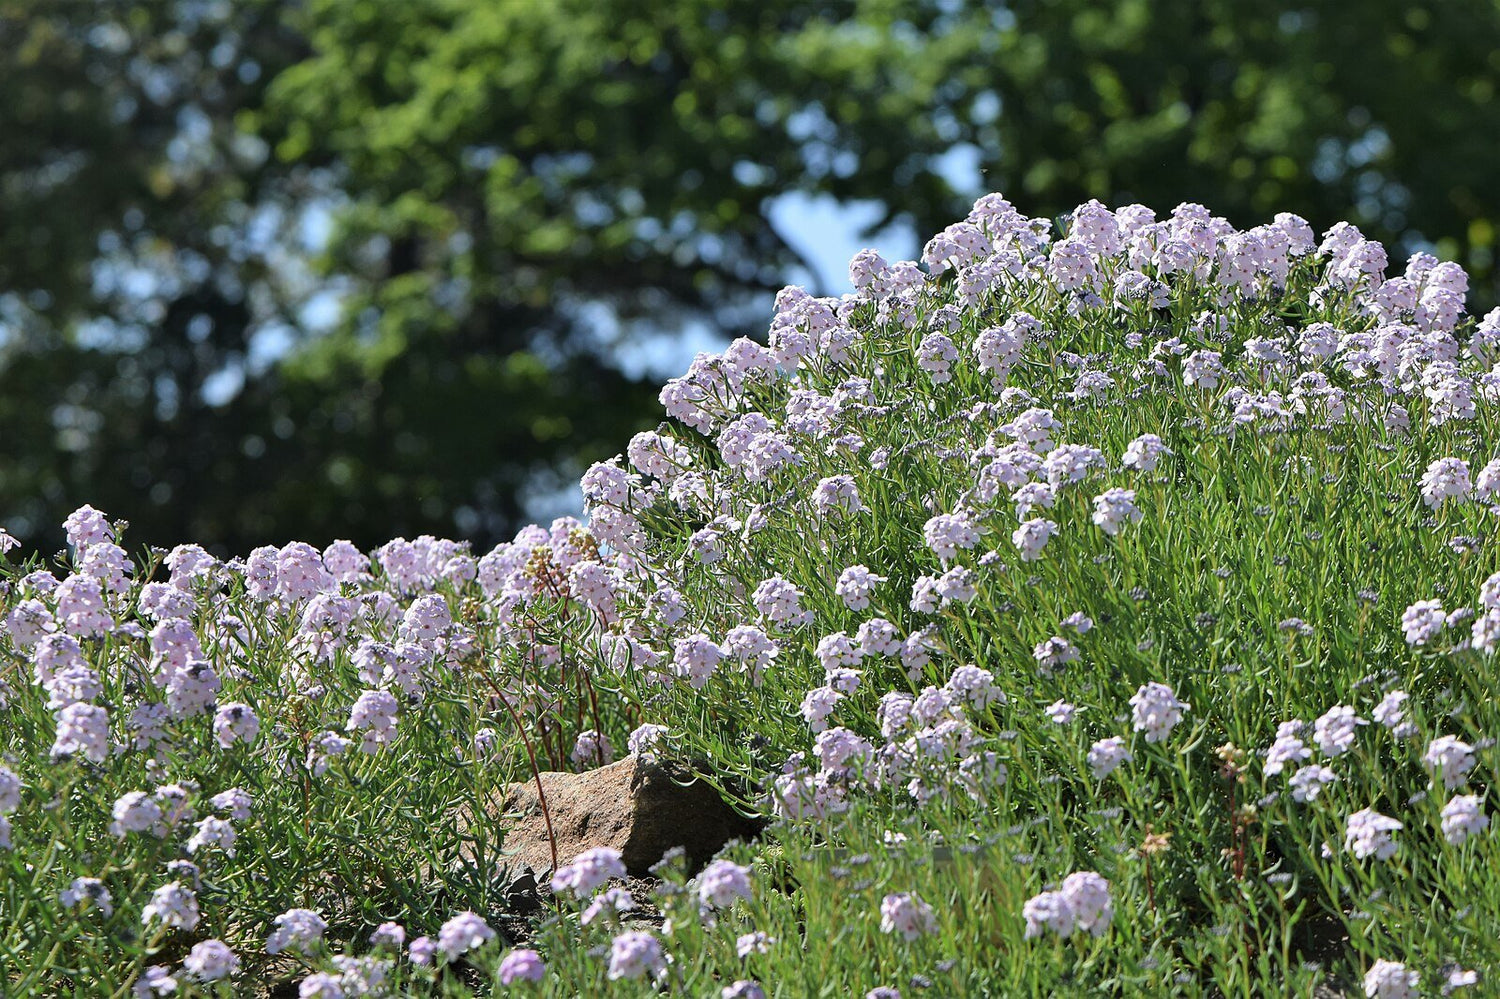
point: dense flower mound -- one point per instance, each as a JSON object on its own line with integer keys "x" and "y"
{"x": 1107, "y": 610}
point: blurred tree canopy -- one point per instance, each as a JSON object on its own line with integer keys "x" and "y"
{"x": 359, "y": 268}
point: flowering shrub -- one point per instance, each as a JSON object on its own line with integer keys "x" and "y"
{"x": 1109, "y": 609}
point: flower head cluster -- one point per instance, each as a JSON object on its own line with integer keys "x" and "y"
{"x": 1081, "y": 903}
{"x": 521, "y": 965}
{"x": 298, "y": 930}
{"x": 463, "y": 933}
{"x": 1368, "y": 834}
{"x": 88, "y": 892}
{"x": 1463, "y": 816}
{"x": 906, "y": 914}
{"x": 211, "y": 961}
{"x": 1114, "y": 508}
{"x": 1156, "y": 711}
{"x": 589, "y": 871}
{"x": 636, "y": 954}
{"x": 1391, "y": 980}
{"x": 1334, "y": 731}
{"x": 721, "y": 883}
{"x": 172, "y": 905}
{"x": 1452, "y": 758}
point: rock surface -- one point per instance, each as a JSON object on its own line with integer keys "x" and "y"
{"x": 638, "y": 805}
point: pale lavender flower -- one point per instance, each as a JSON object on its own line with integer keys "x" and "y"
{"x": 390, "y": 936}
{"x": 1060, "y": 712}
{"x": 211, "y": 961}
{"x": 592, "y": 748}
{"x": 1032, "y": 536}
{"x": 1088, "y": 894}
{"x": 838, "y": 650}
{"x": 172, "y": 905}
{"x": 296, "y": 929}
{"x": 1054, "y": 652}
{"x": 325, "y": 747}
{"x": 589, "y": 871}
{"x": 71, "y": 685}
{"x": 855, "y": 584}
{"x": 1156, "y": 710}
{"x": 154, "y": 981}
{"x": 88, "y": 891}
{"x": 82, "y": 730}
{"x": 645, "y": 738}
{"x": 1203, "y": 368}
{"x": 696, "y": 658}
{"x": 612, "y": 900}
{"x": 1446, "y": 479}
{"x": 1144, "y": 453}
{"x": 345, "y": 563}
{"x": 1390, "y": 980}
{"x": 957, "y": 585}
{"x": 364, "y": 976}
{"x": 1463, "y": 816}
{"x": 817, "y": 705}
{"x": 753, "y": 943}
{"x": 1114, "y": 508}
{"x": 924, "y": 595}
{"x": 753, "y": 648}
{"x": 176, "y": 807}
{"x": 1368, "y": 834}
{"x": 1033, "y": 495}
{"x": 1071, "y": 463}
{"x": 1391, "y": 712}
{"x": 463, "y": 933}
{"x": 136, "y": 812}
{"x": 521, "y": 965}
{"x": 10, "y": 790}
{"x": 1459, "y": 978}
{"x": 1308, "y": 782}
{"x": 1287, "y": 749}
{"x": 634, "y": 955}
{"x": 421, "y": 951}
{"x": 935, "y": 355}
{"x": 374, "y": 717}
{"x": 742, "y": 989}
{"x": 721, "y": 883}
{"x": 907, "y": 914}
{"x": 1484, "y": 635}
{"x": 779, "y": 601}
{"x": 839, "y": 750}
{"x": 87, "y": 526}
{"x": 193, "y": 689}
{"x": 878, "y": 637}
{"x": 1334, "y": 732}
{"x": 1489, "y": 592}
{"x": 1106, "y": 755}
{"x": 212, "y": 831}
{"x": 1049, "y": 910}
{"x": 234, "y": 723}
{"x": 1423, "y": 621}
{"x": 300, "y": 573}
{"x": 974, "y": 686}
{"x": 1452, "y": 757}
{"x": 946, "y": 533}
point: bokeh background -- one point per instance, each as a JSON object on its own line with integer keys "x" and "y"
{"x": 276, "y": 270}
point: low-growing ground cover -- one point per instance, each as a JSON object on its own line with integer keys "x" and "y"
{"x": 1107, "y": 611}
